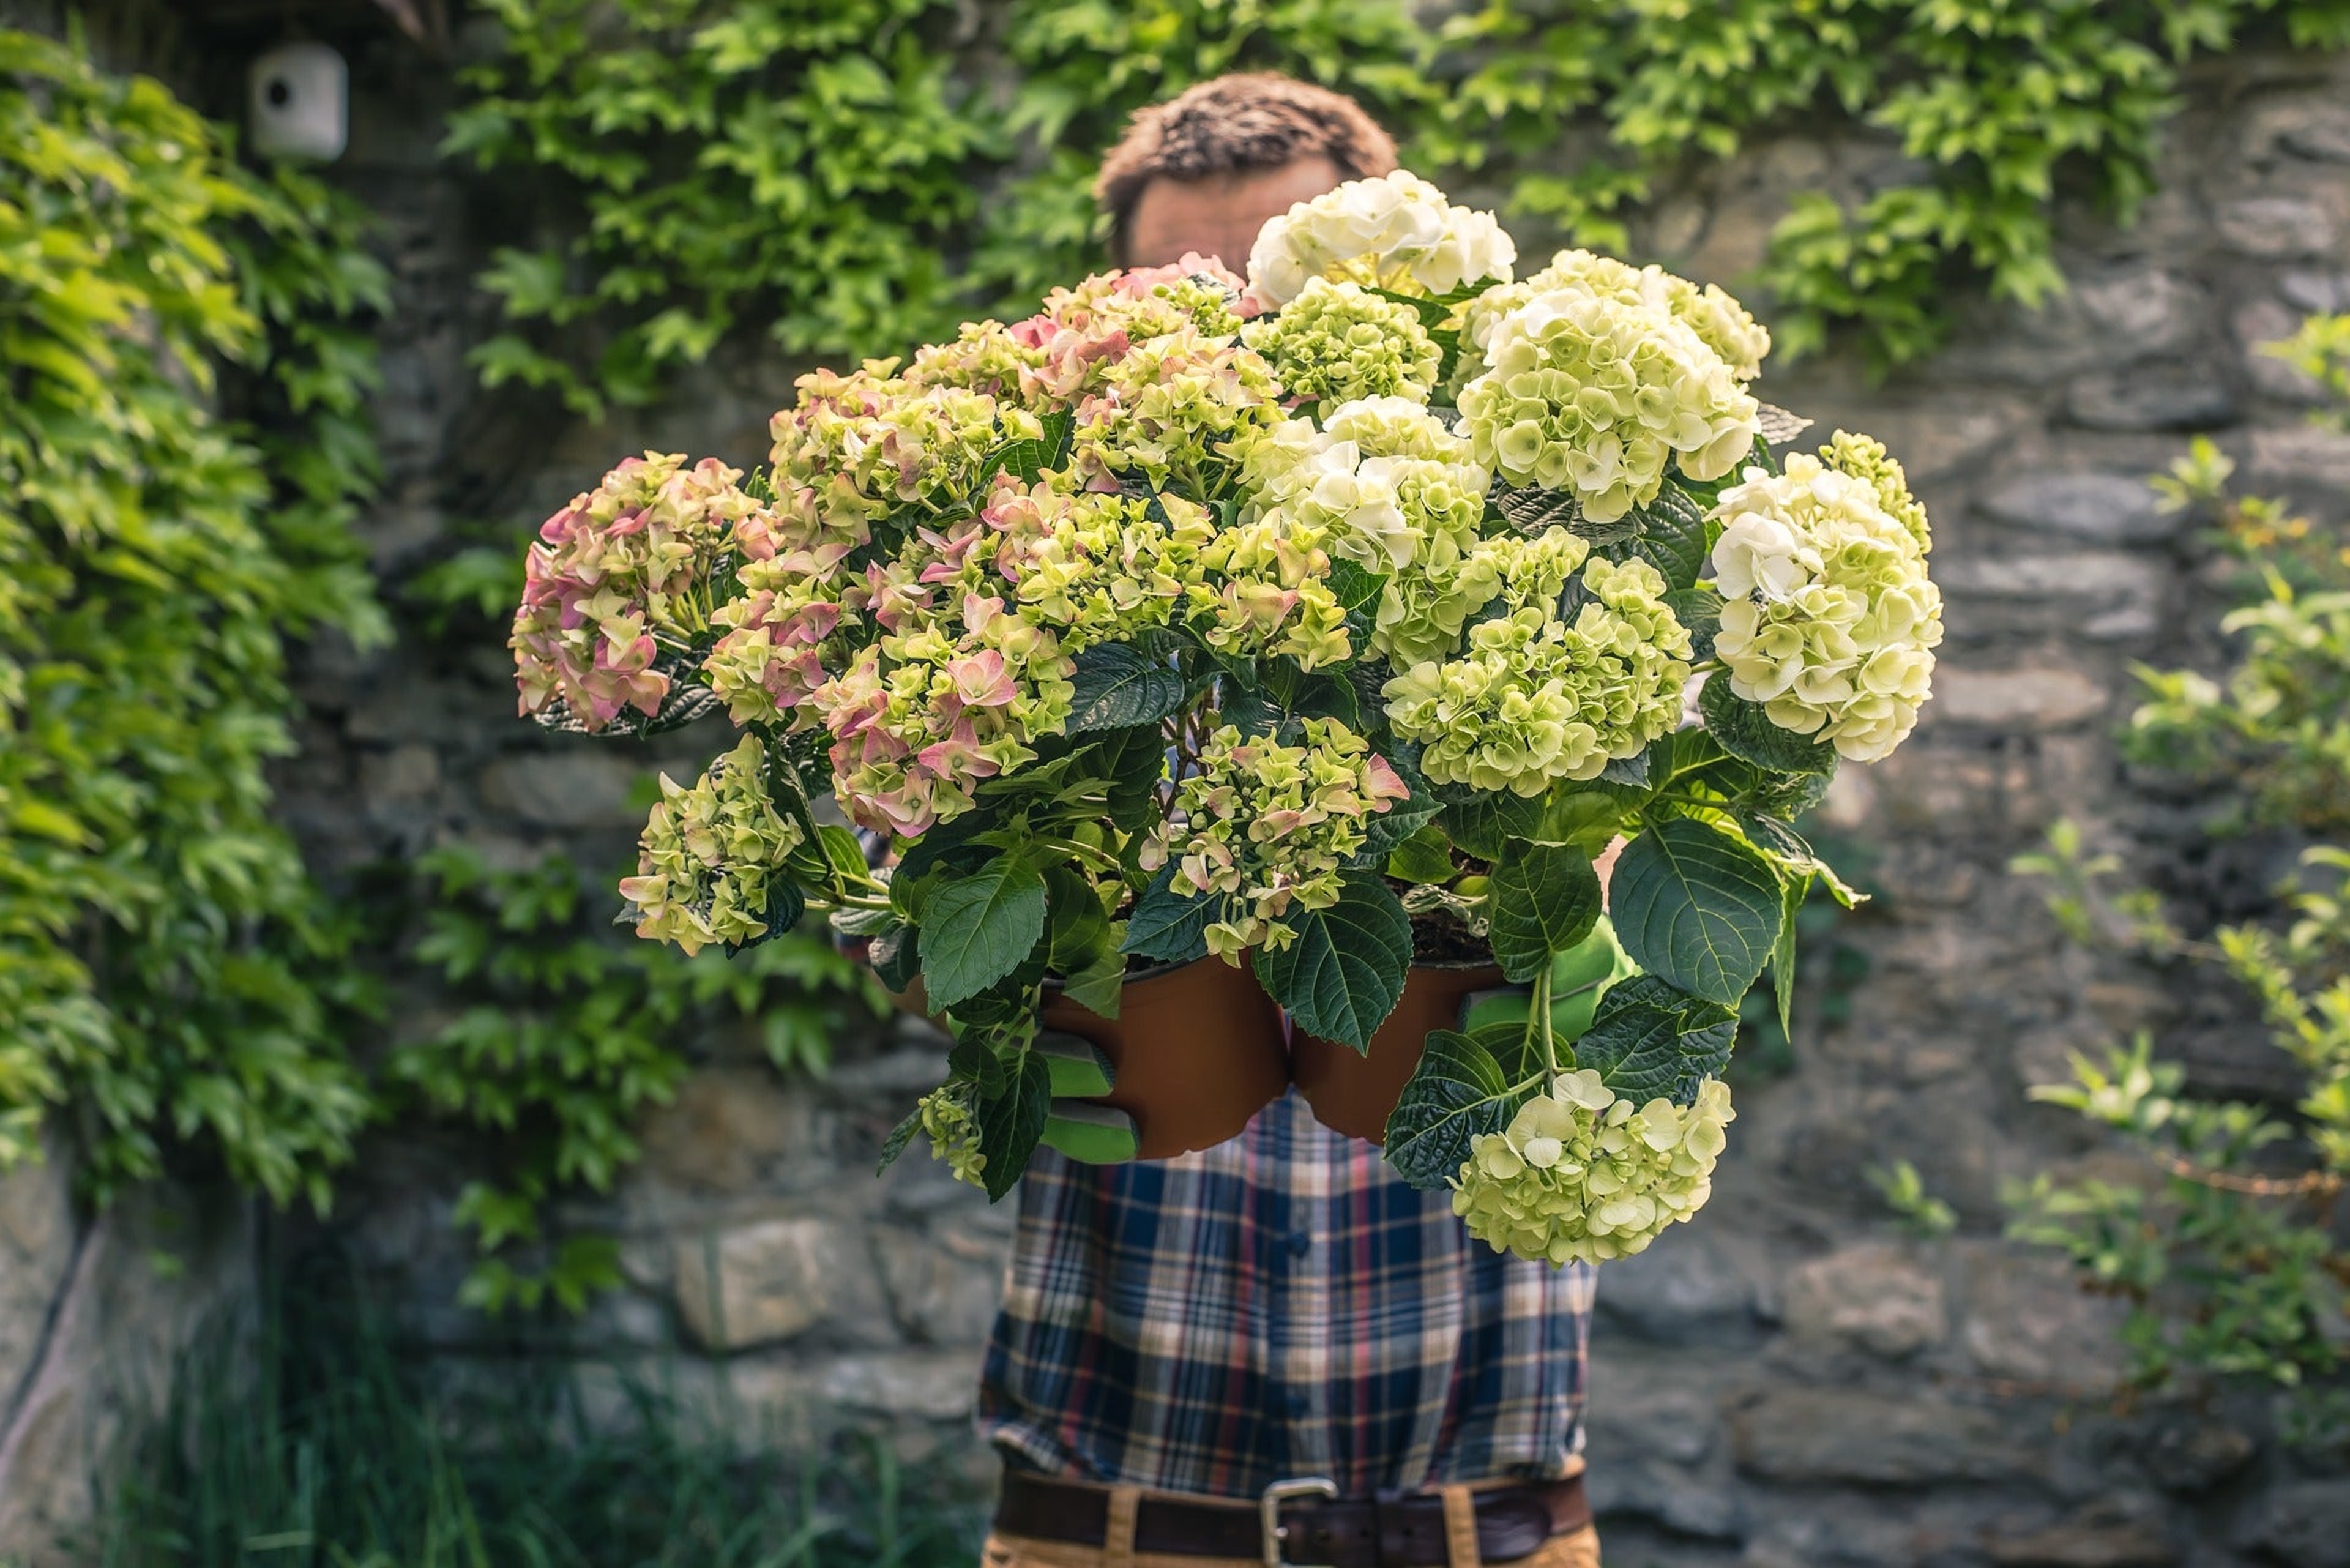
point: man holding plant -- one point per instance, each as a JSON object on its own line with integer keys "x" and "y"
{"x": 1182, "y": 1341}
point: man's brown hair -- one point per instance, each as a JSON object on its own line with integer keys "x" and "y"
{"x": 1237, "y": 124}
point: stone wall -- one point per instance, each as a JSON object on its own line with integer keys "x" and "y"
{"x": 1788, "y": 1381}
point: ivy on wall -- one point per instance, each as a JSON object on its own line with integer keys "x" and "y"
{"x": 853, "y": 176}
{"x": 167, "y": 971}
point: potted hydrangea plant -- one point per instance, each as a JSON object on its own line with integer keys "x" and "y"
{"x": 1205, "y": 650}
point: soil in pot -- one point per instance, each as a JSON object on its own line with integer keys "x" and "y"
{"x": 1197, "y": 1051}
{"x": 1353, "y": 1092}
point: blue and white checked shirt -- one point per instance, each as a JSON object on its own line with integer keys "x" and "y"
{"x": 1281, "y": 1305}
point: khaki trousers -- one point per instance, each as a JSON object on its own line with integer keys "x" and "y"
{"x": 1578, "y": 1549}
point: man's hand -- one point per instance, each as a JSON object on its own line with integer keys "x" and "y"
{"x": 1079, "y": 1125}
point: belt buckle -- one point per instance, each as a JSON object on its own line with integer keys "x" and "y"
{"x": 1268, "y": 1509}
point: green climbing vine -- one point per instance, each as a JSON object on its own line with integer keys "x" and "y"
{"x": 182, "y": 446}
{"x": 860, "y": 172}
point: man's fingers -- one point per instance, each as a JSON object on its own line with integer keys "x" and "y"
{"x": 1080, "y": 1072}
{"x": 1092, "y": 1134}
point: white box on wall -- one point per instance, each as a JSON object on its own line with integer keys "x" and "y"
{"x": 300, "y": 96}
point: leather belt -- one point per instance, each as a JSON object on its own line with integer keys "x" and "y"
{"x": 1309, "y": 1529}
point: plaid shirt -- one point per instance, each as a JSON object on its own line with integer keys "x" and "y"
{"x": 1281, "y": 1305}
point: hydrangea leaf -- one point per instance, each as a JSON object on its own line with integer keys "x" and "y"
{"x": 1118, "y": 688}
{"x": 1545, "y": 901}
{"x": 1425, "y": 857}
{"x": 899, "y": 1136}
{"x": 896, "y": 957}
{"x": 1168, "y": 926}
{"x": 1672, "y": 536}
{"x": 1457, "y": 1092}
{"x": 1343, "y": 973}
{"x": 977, "y": 928}
{"x": 1700, "y": 612}
{"x": 1742, "y": 729}
{"x": 1698, "y": 908}
{"x": 1011, "y": 1123}
{"x": 1650, "y": 1039}
{"x": 1354, "y": 586}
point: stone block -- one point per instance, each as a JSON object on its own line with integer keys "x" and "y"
{"x": 943, "y": 1286}
{"x": 1688, "y": 1291}
{"x": 577, "y": 787}
{"x": 2026, "y": 1318}
{"x": 2305, "y": 1524}
{"x": 1808, "y": 1435}
{"x": 775, "y": 1280}
{"x": 933, "y": 1386}
{"x": 2260, "y": 325}
{"x": 2159, "y": 397}
{"x": 2300, "y": 454}
{"x": 2099, "y": 594}
{"x": 2053, "y": 698}
{"x": 1883, "y": 1297}
{"x": 2108, "y": 508}
{"x": 2110, "y": 1535}
{"x": 37, "y": 1249}
{"x": 2315, "y": 292}
{"x": 727, "y": 1124}
{"x": 2275, "y": 228}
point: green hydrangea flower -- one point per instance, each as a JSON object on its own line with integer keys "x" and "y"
{"x": 1166, "y": 408}
{"x": 947, "y": 1121}
{"x": 1829, "y": 619}
{"x": 1595, "y": 396}
{"x": 1865, "y": 459}
{"x": 1582, "y": 1176}
{"x": 1269, "y": 826}
{"x": 1338, "y": 341}
{"x": 708, "y": 853}
{"x": 1532, "y": 699}
{"x": 1721, "y": 323}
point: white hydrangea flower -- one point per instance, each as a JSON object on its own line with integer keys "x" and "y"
{"x": 1599, "y": 395}
{"x": 1580, "y": 1175}
{"x": 1721, "y": 323}
{"x": 1396, "y": 232}
{"x": 1830, "y": 619}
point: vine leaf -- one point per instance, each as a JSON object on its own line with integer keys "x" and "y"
{"x": 1114, "y": 687}
{"x": 1545, "y": 901}
{"x": 977, "y": 928}
{"x": 1650, "y": 1039}
{"x": 1697, "y": 907}
{"x": 1344, "y": 972}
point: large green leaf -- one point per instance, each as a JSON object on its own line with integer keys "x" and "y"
{"x": 977, "y": 928}
{"x": 1698, "y": 908}
{"x": 1118, "y": 688}
{"x": 1671, "y": 538}
{"x": 1545, "y": 901}
{"x": 1345, "y": 971}
{"x": 1457, "y": 1092}
{"x": 1744, "y": 729}
{"x": 1700, "y": 612}
{"x": 1011, "y": 1123}
{"x": 1171, "y": 926}
{"x": 1650, "y": 1039}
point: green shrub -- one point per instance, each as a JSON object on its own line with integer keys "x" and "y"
{"x": 2225, "y": 1244}
{"x": 563, "y": 1037}
{"x": 167, "y": 969}
{"x": 855, "y": 177}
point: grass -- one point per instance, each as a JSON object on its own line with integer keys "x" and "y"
{"x": 317, "y": 1447}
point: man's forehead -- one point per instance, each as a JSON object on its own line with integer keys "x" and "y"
{"x": 1219, "y": 215}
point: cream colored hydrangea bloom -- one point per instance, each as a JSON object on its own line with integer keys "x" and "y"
{"x": 1719, "y": 320}
{"x": 1395, "y": 231}
{"x": 1830, "y": 620}
{"x": 1582, "y": 1176}
{"x": 1593, "y": 395}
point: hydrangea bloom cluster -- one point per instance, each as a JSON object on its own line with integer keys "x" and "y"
{"x": 946, "y": 1120}
{"x": 625, "y": 566}
{"x": 1386, "y": 484}
{"x": 1589, "y": 394}
{"x": 1396, "y": 232}
{"x": 710, "y": 854}
{"x": 1268, "y": 826}
{"x": 1830, "y": 620}
{"x": 1721, "y": 323}
{"x": 1582, "y": 1176}
{"x": 1534, "y": 699}
{"x": 1339, "y": 341}
{"x": 1165, "y": 408}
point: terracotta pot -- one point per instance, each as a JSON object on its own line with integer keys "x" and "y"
{"x": 1198, "y": 1051}
{"x": 1354, "y": 1092}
